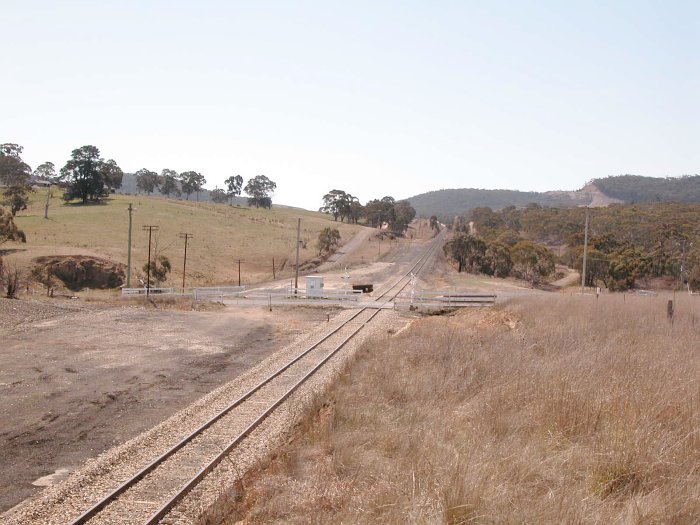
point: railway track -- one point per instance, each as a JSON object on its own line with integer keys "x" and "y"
{"x": 151, "y": 494}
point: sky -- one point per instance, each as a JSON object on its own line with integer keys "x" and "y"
{"x": 371, "y": 97}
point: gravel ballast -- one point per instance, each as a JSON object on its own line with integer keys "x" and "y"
{"x": 64, "y": 501}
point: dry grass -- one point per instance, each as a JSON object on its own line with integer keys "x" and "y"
{"x": 222, "y": 234}
{"x": 547, "y": 410}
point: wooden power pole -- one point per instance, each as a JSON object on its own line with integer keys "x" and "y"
{"x": 128, "y": 256}
{"x": 184, "y": 260}
{"x": 150, "y": 229}
{"x": 296, "y": 269}
{"x": 585, "y": 255}
{"x": 239, "y": 261}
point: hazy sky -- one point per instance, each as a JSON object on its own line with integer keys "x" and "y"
{"x": 375, "y": 98}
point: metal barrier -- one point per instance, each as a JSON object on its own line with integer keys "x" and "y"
{"x": 221, "y": 292}
{"x": 444, "y": 299}
{"x": 142, "y": 291}
{"x": 340, "y": 295}
{"x": 197, "y": 293}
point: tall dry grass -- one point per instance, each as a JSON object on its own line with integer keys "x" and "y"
{"x": 546, "y": 410}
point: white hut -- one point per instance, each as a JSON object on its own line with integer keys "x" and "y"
{"x": 314, "y": 285}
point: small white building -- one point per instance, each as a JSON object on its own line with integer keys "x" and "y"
{"x": 314, "y": 285}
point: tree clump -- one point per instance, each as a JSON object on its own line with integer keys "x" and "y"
{"x": 15, "y": 175}
{"x": 525, "y": 260}
{"x": 234, "y": 186}
{"x": 628, "y": 244}
{"x": 147, "y": 181}
{"x": 17, "y": 198}
{"x": 13, "y": 170}
{"x": 88, "y": 177}
{"x": 328, "y": 240}
{"x": 158, "y": 269}
{"x": 9, "y": 230}
{"x": 218, "y": 195}
{"x": 259, "y": 190}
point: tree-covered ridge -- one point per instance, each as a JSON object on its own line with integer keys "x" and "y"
{"x": 449, "y": 203}
{"x": 628, "y": 242}
{"x": 636, "y": 188}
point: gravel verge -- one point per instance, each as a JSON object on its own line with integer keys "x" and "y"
{"x": 64, "y": 501}
{"x": 275, "y": 429}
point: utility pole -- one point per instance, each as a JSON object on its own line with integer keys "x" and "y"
{"x": 585, "y": 255}
{"x": 128, "y": 257}
{"x": 184, "y": 261}
{"x": 239, "y": 270}
{"x": 150, "y": 229}
{"x": 296, "y": 268}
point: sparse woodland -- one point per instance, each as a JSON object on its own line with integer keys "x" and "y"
{"x": 629, "y": 244}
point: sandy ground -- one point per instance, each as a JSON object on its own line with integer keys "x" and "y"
{"x": 69, "y": 372}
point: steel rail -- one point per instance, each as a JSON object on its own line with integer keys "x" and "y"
{"x": 185, "y": 489}
{"x": 422, "y": 260}
{"x": 112, "y": 496}
{"x": 95, "y": 509}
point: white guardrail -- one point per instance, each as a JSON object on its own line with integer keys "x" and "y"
{"x": 239, "y": 293}
{"x": 193, "y": 292}
{"x": 240, "y": 296}
{"x": 445, "y": 299}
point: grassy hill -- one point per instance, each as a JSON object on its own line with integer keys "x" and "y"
{"x": 222, "y": 234}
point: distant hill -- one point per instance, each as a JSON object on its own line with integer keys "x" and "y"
{"x": 449, "y": 203}
{"x": 635, "y": 188}
{"x": 599, "y": 192}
